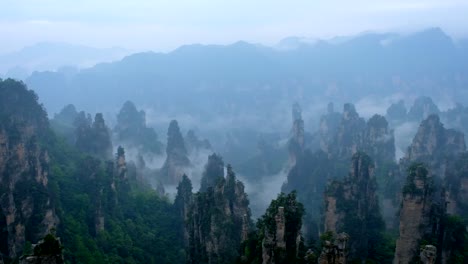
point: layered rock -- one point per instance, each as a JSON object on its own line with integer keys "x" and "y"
{"x": 27, "y": 211}
{"x": 352, "y": 207}
{"x": 176, "y": 160}
{"x": 217, "y": 221}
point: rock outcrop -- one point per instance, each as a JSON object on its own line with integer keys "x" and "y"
{"x": 341, "y": 137}
{"x": 47, "y": 251}
{"x": 26, "y": 210}
{"x": 428, "y": 254}
{"x": 415, "y": 214}
{"x": 335, "y": 250}
{"x": 396, "y": 113}
{"x": 352, "y": 207}
{"x": 217, "y": 221}
{"x": 176, "y": 160}
{"x": 296, "y": 143}
{"x": 435, "y": 145}
{"x": 281, "y": 237}
{"x": 379, "y": 142}
{"x": 93, "y": 138}
{"x": 214, "y": 171}
{"x": 350, "y": 133}
{"x": 422, "y": 108}
{"x": 132, "y": 131}
{"x": 329, "y": 125}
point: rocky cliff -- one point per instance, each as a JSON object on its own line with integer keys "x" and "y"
{"x": 335, "y": 249}
{"x": 296, "y": 143}
{"x": 280, "y": 233}
{"x": 93, "y": 138}
{"x": 214, "y": 171}
{"x": 176, "y": 160}
{"x": 350, "y": 133}
{"x": 352, "y": 206}
{"x": 217, "y": 220}
{"x": 415, "y": 214}
{"x": 133, "y": 133}
{"x": 435, "y": 145}
{"x": 27, "y": 211}
{"x": 422, "y": 108}
{"x": 329, "y": 125}
{"x": 343, "y": 136}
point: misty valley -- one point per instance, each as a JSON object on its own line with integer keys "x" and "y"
{"x": 349, "y": 150}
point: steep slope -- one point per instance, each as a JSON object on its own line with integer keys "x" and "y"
{"x": 27, "y": 208}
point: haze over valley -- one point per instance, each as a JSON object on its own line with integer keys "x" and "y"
{"x": 131, "y": 135}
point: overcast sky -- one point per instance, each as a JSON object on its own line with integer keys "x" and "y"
{"x": 164, "y": 25}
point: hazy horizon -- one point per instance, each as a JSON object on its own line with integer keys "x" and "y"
{"x": 163, "y": 26}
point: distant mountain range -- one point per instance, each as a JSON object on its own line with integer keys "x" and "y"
{"x": 243, "y": 77}
{"x": 52, "y": 56}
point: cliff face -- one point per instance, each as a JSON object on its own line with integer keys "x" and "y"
{"x": 443, "y": 152}
{"x": 280, "y": 228}
{"x": 422, "y": 108}
{"x": 132, "y": 132}
{"x": 329, "y": 125}
{"x": 335, "y": 250}
{"x": 214, "y": 170}
{"x": 396, "y": 113}
{"x": 379, "y": 142}
{"x": 296, "y": 143}
{"x": 341, "y": 137}
{"x": 93, "y": 138}
{"x": 274, "y": 241}
{"x": 350, "y": 133}
{"x": 415, "y": 214}
{"x": 435, "y": 145}
{"x": 27, "y": 211}
{"x": 217, "y": 221}
{"x": 176, "y": 160}
{"x": 352, "y": 207}
{"x": 456, "y": 183}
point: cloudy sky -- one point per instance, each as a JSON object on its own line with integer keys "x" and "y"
{"x": 163, "y": 25}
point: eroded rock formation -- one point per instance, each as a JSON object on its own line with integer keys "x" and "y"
{"x": 415, "y": 214}
{"x": 176, "y": 160}
{"x": 352, "y": 207}
{"x": 27, "y": 211}
{"x": 217, "y": 220}
{"x": 335, "y": 250}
